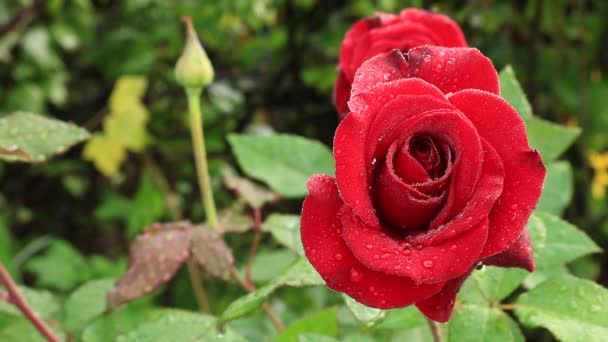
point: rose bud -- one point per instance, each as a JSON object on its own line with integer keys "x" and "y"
{"x": 384, "y": 32}
{"x": 193, "y": 69}
{"x": 433, "y": 176}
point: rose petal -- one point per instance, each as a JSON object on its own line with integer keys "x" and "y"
{"x": 439, "y": 307}
{"x": 487, "y": 191}
{"x": 453, "y": 69}
{"x": 341, "y": 94}
{"x": 330, "y": 256}
{"x": 446, "y": 29}
{"x": 383, "y": 68}
{"x": 519, "y": 254}
{"x": 386, "y": 252}
{"x": 400, "y": 119}
{"x": 395, "y": 200}
{"x": 499, "y": 124}
{"x": 368, "y": 103}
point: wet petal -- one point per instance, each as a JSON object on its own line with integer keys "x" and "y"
{"x": 439, "y": 307}
{"x": 499, "y": 124}
{"x": 335, "y": 263}
{"x": 519, "y": 254}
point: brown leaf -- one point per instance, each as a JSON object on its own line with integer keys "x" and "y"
{"x": 211, "y": 252}
{"x": 154, "y": 258}
{"x": 234, "y": 221}
{"x": 255, "y": 196}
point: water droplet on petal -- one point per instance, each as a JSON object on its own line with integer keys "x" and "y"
{"x": 369, "y": 246}
{"x": 355, "y": 275}
{"x": 427, "y": 263}
{"x": 338, "y": 256}
{"x": 453, "y": 247}
{"x": 407, "y": 252}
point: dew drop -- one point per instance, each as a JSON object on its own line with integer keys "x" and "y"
{"x": 427, "y": 263}
{"x": 453, "y": 247}
{"x": 355, "y": 275}
{"x": 407, "y": 252}
{"x": 418, "y": 246}
{"x": 369, "y": 246}
{"x": 338, "y": 256}
{"x": 385, "y": 256}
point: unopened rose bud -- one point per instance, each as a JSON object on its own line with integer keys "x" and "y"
{"x": 193, "y": 68}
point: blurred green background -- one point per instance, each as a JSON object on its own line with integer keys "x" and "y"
{"x": 275, "y": 67}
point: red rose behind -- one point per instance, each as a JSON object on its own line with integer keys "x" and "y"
{"x": 385, "y": 32}
{"x": 433, "y": 175}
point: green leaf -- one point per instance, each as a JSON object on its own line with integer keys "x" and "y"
{"x": 572, "y": 309}
{"x": 268, "y": 264}
{"x": 43, "y": 302}
{"x": 286, "y": 230}
{"x": 20, "y": 330}
{"x": 313, "y": 337}
{"x": 540, "y": 275}
{"x": 322, "y": 322}
{"x": 29, "y": 137}
{"x": 557, "y": 190}
{"x": 299, "y": 274}
{"x": 283, "y": 161}
{"x": 61, "y": 266}
{"x": 564, "y": 242}
{"x": 474, "y": 323}
{"x": 511, "y": 90}
{"x": 406, "y": 318}
{"x": 86, "y": 303}
{"x": 173, "y": 325}
{"x": 366, "y": 315}
{"x": 496, "y": 283}
{"x": 254, "y": 195}
{"x": 550, "y": 139}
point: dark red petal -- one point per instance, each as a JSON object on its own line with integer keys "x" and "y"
{"x": 382, "y": 68}
{"x": 341, "y": 95}
{"x": 499, "y": 124}
{"x": 487, "y": 191}
{"x": 399, "y": 120}
{"x": 352, "y": 172}
{"x": 369, "y": 103}
{"x": 424, "y": 264}
{"x": 396, "y": 201}
{"x": 439, "y": 307}
{"x": 447, "y": 30}
{"x": 518, "y": 255}
{"x": 453, "y": 69}
{"x": 408, "y": 168}
{"x": 330, "y": 256}
{"x": 352, "y": 38}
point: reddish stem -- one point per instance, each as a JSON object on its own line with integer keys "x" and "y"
{"x": 257, "y": 229}
{"x": 15, "y": 297}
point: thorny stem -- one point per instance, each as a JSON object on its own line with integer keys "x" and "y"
{"x": 250, "y": 288}
{"x": 176, "y": 213}
{"x": 436, "y": 330}
{"x": 257, "y": 229}
{"x": 15, "y": 297}
{"x": 200, "y": 156}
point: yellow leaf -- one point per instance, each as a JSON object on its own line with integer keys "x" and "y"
{"x": 105, "y": 153}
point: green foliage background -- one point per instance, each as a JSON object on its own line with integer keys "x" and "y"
{"x": 64, "y": 223}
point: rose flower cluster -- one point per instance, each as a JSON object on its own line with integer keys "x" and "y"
{"x": 434, "y": 175}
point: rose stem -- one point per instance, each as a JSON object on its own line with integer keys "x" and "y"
{"x": 436, "y": 330}
{"x": 15, "y": 297}
{"x": 200, "y": 155}
{"x": 176, "y": 213}
{"x": 257, "y": 229}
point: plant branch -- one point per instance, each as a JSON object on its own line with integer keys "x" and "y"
{"x": 257, "y": 229}
{"x": 507, "y": 306}
{"x": 250, "y": 288}
{"x": 15, "y": 297}
{"x": 176, "y": 213}
{"x": 436, "y": 330}
{"x": 200, "y": 156}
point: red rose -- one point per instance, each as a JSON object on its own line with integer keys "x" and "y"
{"x": 385, "y": 32}
{"x": 433, "y": 175}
